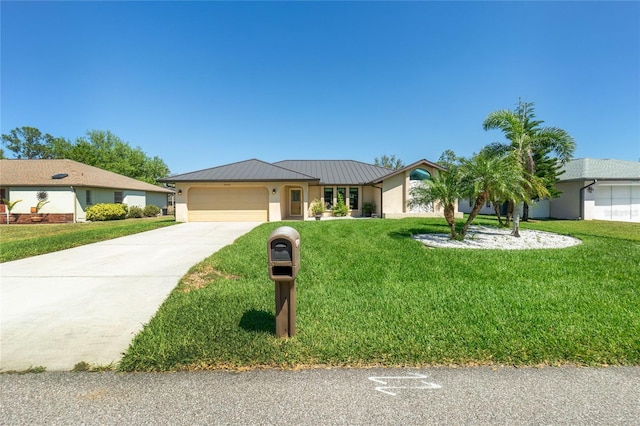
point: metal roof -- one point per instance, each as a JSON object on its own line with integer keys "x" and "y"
{"x": 52, "y": 173}
{"x": 337, "y": 172}
{"x": 243, "y": 171}
{"x": 591, "y": 168}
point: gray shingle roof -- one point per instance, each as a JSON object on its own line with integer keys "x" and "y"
{"x": 243, "y": 171}
{"x": 333, "y": 172}
{"x": 40, "y": 172}
{"x": 591, "y": 168}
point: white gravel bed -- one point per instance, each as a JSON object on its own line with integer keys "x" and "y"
{"x": 483, "y": 237}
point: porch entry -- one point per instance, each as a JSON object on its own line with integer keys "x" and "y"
{"x": 295, "y": 202}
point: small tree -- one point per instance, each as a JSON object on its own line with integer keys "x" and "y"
{"x": 444, "y": 189}
{"x": 10, "y": 205}
{"x": 340, "y": 209}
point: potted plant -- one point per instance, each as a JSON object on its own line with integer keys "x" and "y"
{"x": 9, "y": 206}
{"x": 368, "y": 208}
{"x": 317, "y": 208}
{"x": 36, "y": 216}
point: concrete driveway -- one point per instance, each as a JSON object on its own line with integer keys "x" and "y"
{"x": 87, "y": 303}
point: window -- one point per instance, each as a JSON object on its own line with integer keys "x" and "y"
{"x": 353, "y": 198}
{"x": 117, "y": 197}
{"x": 87, "y": 197}
{"x": 3, "y": 195}
{"x": 420, "y": 174}
{"x": 328, "y": 198}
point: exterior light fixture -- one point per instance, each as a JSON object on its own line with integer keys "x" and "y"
{"x": 179, "y": 191}
{"x": 273, "y": 191}
{"x": 590, "y": 189}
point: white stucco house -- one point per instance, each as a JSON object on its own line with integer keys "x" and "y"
{"x": 254, "y": 190}
{"x": 69, "y": 187}
{"x": 598, "y": 189}
{"x": 591, "y": 189}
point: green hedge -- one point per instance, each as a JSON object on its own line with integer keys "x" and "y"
{"x": 101, "y": 212}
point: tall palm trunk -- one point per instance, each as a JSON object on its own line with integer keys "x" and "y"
{"x": 450, "y": 217}
{"x": 482, "y": 198}
{"x": 496, "y": 209}
{"x": 516, "y": 224}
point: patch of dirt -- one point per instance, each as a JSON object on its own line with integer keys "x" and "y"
{"x": 203, "y": 277}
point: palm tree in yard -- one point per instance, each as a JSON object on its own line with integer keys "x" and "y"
{"x": 532, "y": 144}
{"x": 489, "y": 176}
{"x": 444, "y": 189}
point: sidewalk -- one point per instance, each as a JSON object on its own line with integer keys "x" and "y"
{"x": 87, "y": 303}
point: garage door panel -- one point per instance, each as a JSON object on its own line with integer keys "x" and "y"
{"x": 228, "y": 204}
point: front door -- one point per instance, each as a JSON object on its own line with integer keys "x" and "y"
{"x": 295, "y": 204}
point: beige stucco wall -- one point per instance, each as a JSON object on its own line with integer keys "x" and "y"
{"x": 278, "y": 202}
{"x": 395, "y": 197}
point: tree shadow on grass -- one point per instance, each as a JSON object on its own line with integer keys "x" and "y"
{"x": 430, "y": 229}
{"x": 259, "y": 321}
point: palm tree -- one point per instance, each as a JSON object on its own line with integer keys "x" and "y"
{"x": 444, "y": 189}
{"x": 9, "y": 206}
{"x": 489, "y": 176}
{"x": 531, "y": 143}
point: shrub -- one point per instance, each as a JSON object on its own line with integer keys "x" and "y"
{"x": 101, "y": 212}
{"x": 151, "y": 210}
{"x": 340, "y": 208}
{"x": 135, "y": 211}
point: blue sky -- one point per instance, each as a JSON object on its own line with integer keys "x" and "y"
{"x": 201, "y": 84}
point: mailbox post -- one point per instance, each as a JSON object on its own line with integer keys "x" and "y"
{"x": 283, "y": 250}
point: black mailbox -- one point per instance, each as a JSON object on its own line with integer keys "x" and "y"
{"x": 283, "y": 248}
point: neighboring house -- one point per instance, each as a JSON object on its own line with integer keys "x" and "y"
{"x": 591, "y": 189}
{"x": 537, "y": 209}
{"x": 254, "y": 190}
{"x": 69, "y": 187}
{"x": 598, "y": 189}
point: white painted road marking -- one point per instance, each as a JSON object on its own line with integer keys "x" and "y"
{"x": 413, "y": 376}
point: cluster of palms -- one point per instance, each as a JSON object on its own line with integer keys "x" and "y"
{"x": 515, "y": 172}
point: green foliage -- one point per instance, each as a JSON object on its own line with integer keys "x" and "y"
{"x": 29, "y": 143}
{"x": 105, "y": 150}
{"x": 22, "y": 241}
{"x": 151, "y": 211}
{"x": 40, "y": 205}
{"x": 316, "y": 207}
{"x": 444, "y": 188}
{"x": 135, "y": 212}
{"x": 368, "y": 294}
{"x": 368, "y": 207}
{"x": 533, "y": 145}
{"x": 101, "y": 212}
{"x": 10, "y": 204}
{"x": 340, "y": 209}
{"x": 99, "y": 148}
{"x": 387, "y": 162}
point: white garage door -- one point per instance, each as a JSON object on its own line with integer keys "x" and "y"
{"x": 620, "y": 203}
{"x": 228, "y": 205}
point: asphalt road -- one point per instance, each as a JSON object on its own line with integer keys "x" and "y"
{"x": 483, "y": 395}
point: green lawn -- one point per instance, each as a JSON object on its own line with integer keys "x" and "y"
{"x": 20, "y": 241}
{"x": 370, "y": 295}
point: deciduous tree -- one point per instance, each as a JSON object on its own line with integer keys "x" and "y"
{"x": 387, "y": 162}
